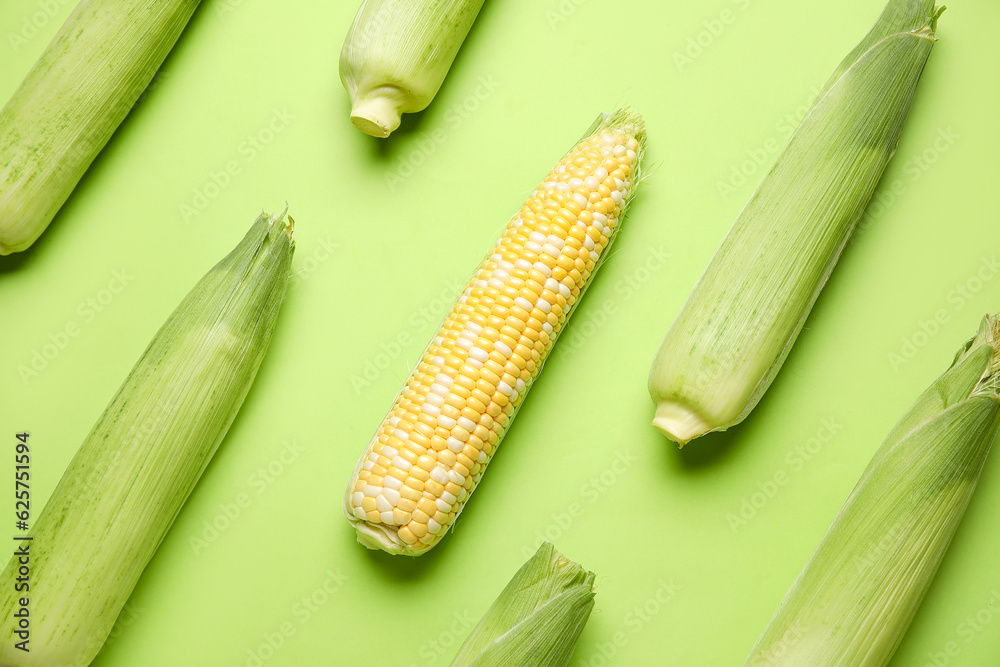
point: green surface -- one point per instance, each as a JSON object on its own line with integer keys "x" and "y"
{"x": 380, "y": 259}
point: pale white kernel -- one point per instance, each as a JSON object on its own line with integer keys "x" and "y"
{"x": 556, "y": 241}
{"x": 546, "y": 327}
{"x": 472, "y": 330}
{"x": 438, "y": 340}
{"x": 437, "y": 400}
{"x": 439, "y": 475}
{"x": 494, "y": 283}
{"x": 619, "y": 184}
{"x": 479, "y": 354}
{"x": 401, "y": 463}
{"x": 481, "y": 284}
{"x": 600, "y": 173}
{"x": 588, "y": 243}
{"x": 617, "y": 196}
{"x": 601, "y": 218}
{"x": 357, "y": 498}
{"x": 519, "y": 386}
{"x": 449, "y": 497}
{"x": 464, "y": 343}
{"x": 401, "y": 434}
{"x": 562, "y": 187}
{"x": 386, "y": 517}
{"x": 500, "y": 274}
{"x": 503, "y": 348}
{"x": 388, "y": 452}
{"x": 394, "y": 421}
{"x": 550, "y": 250}
{"x": 522, "y": 264}
{"x": 551, "y": 284}
{"x": 442, "y": 506}
{"x": 521, "y": 302}
{"x": 433, "y": 527}
{"x": 543, "y": 306}
{"x": 391, "y": 483}
{"x": 620, "y": 150}
{"x": 548, "y": 185}
{"x": 543, "y": 269}
{"x": 593, "y": 255}
{"x": 565, "y": 291}
{"x": 455, "y": 445}
{"x": 456, "y": 477}
{"x": 475, "y": 363}
{"x": 591, "y": 183}
{"x": 368, "y": 465}
{"x": 382, "y": 504}
{"x": 482, "y": 458}
{"x": 467, "y": 423}
{"x": 445, "y": 422}
{"x": 533, "y": 247}
{"x": 630, "y": 153}
{"x": 580, "y": 200}
{"x": 575, "y": 183}
{"x": 505, "y": 388}
{"x": 437, "y": 361}
{"x": 390, "y": 494}
{"x": 537, "y": 237}
{"x": 438, "y": 389}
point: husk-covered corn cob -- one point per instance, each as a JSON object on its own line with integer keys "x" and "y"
{"x": 858, "y": 593}
{"x": 72, "y": 101}
{"x": 538, "y": 617}
{"x": 446, "y": 423}
{"x": 733, "y": 333}
{"x": 397, "y": 54}
{"x": 134, "y": 471}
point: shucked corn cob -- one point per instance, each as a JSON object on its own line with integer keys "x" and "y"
{"x": 858, "y": 593}
{"x": 134, "y": 471}
{"x": 430, "y": 452}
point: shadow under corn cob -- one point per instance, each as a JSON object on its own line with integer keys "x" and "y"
{"x": 737, "y": 326}
{"x": 128, "y": 481}
{"x": 855, "y": 598}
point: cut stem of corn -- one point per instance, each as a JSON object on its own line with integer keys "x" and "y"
{"x": 72, "y": 101}
{"x": 445, "y": 424}
{"x": 538, "y": 617}
{"x": 131, "y": 476}
{"x": 858, "y": 593}
{"x": 733, "y": 333}
{"x": 397, "y": 54}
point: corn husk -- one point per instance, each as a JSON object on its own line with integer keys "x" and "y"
{"x": 855, "y": 598}
{"x": 733, "y": 333}
{"x": 73, "y": 100}
{"x": 128, "y": 481}
{"x": 538, "y": 617}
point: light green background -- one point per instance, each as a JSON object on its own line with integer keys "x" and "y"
{"x": 530, "y": 79}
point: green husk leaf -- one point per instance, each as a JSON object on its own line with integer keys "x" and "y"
{"x": 733, "y": 333}
{"x": 856, "y": 597}
{"x": 538, "y": 617}
{"x": 134, "y": 471}
{"x": 73, "y": 100}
